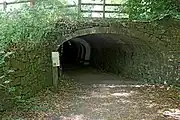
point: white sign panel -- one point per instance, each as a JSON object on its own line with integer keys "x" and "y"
{"x": 55, "y": 59}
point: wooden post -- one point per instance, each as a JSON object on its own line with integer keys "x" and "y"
{"x": 56, "y": 64}
{"x": 4, "y": 5}
{"x": 104, "y": 8}
{"x": 79, "y": 8}
{"x": 32, "y": 3}
{"x": 55, "y": 77}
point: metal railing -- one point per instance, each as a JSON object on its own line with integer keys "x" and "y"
{"x": 5, "y": 4}
{"x": 103, "y": 5}
{"x": 78, "y": 6}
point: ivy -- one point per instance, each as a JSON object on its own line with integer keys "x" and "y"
{"x": 150, "y": 9}
{"x": 34, "y": 24}
{"x": 25, "y": 24}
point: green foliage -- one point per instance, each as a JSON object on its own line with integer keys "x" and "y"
{"x": 149, "y": 9}
{"x": 26, "y": 24}
{"x": 29, "y": 24}
{"x": 34, "y": 24}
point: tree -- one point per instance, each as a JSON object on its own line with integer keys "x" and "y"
{"x": 149, "y": 9}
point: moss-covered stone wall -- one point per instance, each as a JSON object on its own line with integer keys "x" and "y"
{"x": 28, "y": 69}
{"x": 157, "y": 59}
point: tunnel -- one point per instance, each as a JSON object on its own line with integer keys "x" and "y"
{"x": 113, "y": 53}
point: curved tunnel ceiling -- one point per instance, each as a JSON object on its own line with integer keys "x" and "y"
{"x": 100, "y": 42}
{"x": 111, "y": 38}
{"x": 86, "y": 45}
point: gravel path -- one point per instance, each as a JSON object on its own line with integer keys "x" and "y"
{"x": 104, "y": 96}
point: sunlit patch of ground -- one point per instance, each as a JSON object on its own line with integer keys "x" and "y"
{"x": 103, "y": 101}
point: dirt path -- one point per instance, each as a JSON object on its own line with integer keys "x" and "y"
{"x": 103, "y": 96}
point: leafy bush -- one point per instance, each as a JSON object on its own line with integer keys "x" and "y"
{"x": 26, "y": 24}
{"x": 29, "y": 24}
{"x": 33, "y": 24}
{"x": 150, "y": 9}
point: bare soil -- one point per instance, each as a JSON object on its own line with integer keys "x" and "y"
{"x": 101, "y": 96}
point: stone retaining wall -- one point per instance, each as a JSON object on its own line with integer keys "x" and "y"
{"x": 156, "y": 60}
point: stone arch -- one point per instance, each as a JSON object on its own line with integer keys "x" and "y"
{"x": 82, "y": 52}
{"x": 138, "y": 36}
{"x": 124, "y": 31}
{"x": 140, "y": 45}
{"x": 88, "y": 31}
{"x": 85, "y": 53}
{"x": 79, "y": 51}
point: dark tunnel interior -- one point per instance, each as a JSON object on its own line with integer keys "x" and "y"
{"x": 70, "y": 53}
{"x": 101, "y": 51}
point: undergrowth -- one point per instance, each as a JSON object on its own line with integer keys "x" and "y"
{"x": 33, "y": 24}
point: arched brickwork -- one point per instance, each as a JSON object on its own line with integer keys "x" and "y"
{"x": 138, "y": 36}
{"x": 148, "y": 38}
{"x": 156, "y": 57}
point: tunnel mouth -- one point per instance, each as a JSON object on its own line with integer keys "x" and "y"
{"x": 100, "y": 51}
{"x": 69, "y": 56}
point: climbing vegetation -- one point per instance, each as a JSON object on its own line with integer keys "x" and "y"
{"x": 28, "y": 24}
{"x": 38, "y": 24}
{"x": 150, "y": 9}
{"x": 24, "y": 25}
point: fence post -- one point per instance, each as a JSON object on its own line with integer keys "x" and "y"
{"x": 79, "y": 8}
{"x": 56, "y": 64}
{"x": 32, "y": 3}
{"x": 4, "y": 5}
{"x": 104, "y": 8}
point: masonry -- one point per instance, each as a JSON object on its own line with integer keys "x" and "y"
{"x": 146, "y": 51}
{"x": 155, "y": 47}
